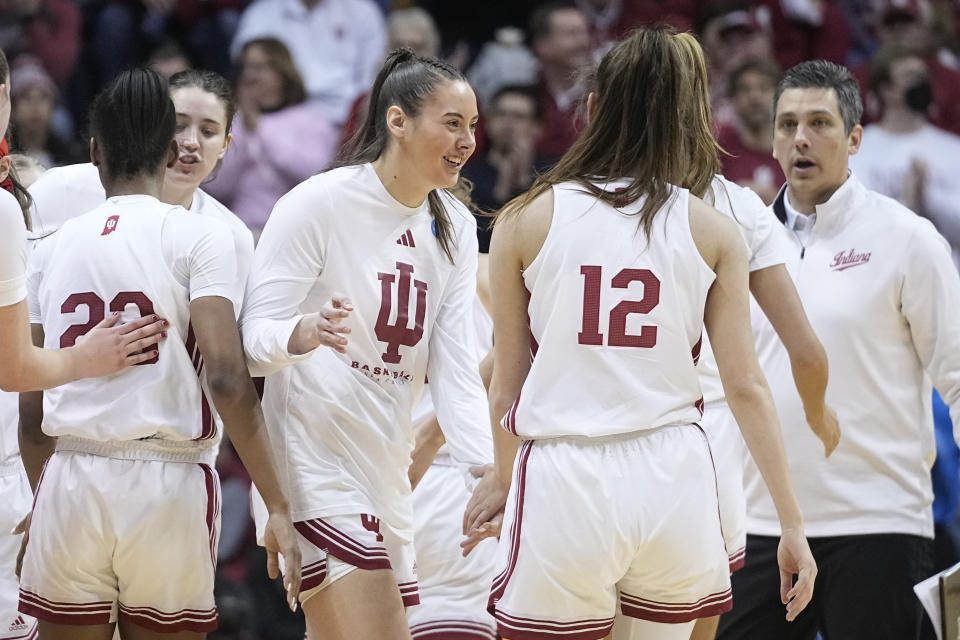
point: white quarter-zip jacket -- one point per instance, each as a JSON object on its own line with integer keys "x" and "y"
{"x": 881, "y": 291}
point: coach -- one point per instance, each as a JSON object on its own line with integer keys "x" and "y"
{"x": 882, "y": 293}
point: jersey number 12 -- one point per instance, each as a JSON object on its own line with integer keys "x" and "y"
{"x": 617, "y": 329}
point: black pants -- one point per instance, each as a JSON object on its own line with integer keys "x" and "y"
{"x": 863, "y": 591}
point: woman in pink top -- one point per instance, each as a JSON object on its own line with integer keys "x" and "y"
{"x": 279, "y": 138}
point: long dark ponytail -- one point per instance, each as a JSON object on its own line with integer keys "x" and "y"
{"x": 406, "y": 80}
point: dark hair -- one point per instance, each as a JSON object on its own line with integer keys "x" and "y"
{"x": 280, "y": 60}
{"x": 133, "y": 120}
{"x": 524, "y": 90}
{"x": 635, "y": 132}
{"x": 542, "y": 17}
{"x": 820, "y": 74}
{"x": 764, "y": 67}
{"x": 406, "y": 80}
{"x": 19, "y": 191}
{"x": 212, "y": 83}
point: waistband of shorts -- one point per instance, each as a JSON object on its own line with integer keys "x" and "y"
{"x": 10, "y": 466}
{"x": 152, "y": 449}
{"x": 624, "y": 436}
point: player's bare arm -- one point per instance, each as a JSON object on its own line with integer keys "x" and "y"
{"x": 428, "y": 438}
{"x": 727, "y": 320}
{"x": 778, "y": 297}
{"x": 105, "y": 349}
{"x": 515, "y": 243}
{"x": 237, "y": 403}
{"x": 323, "y": 327}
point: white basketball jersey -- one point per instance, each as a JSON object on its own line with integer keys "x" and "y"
{"x": 615, "y": 320}
{"x": 9, "y": 414}
{"x": 137, "y": 256}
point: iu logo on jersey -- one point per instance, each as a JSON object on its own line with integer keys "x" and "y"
{"x": 110, "y": 226}
{"x": 399, "y": 334}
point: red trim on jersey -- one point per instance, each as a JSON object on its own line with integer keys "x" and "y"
{"x": 676, "y": 612}
{"x": 64, "y": 612}
{"x": 343, "y": 547}
{"x": 43, "y": 472}
{"x": 453, "y": 630}
{"x": 208, "y": 427}
{"x": 737, "y": 558}
{"x": 213, "y": 509}
{"x": 410, "y": 593}
{"x": 517, "y": 628}
{"x": 695, "y": 352}
{"x": 32, "y": 632}
{"x": 509, "y": 421}
{"x": 500, "y": 582}
{"x": 313, "y": 575}
{"x": 197, "y": 620}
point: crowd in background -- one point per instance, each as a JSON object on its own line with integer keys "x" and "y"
{"x": 301, "y": 70}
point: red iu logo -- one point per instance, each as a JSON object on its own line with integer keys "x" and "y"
{"x": 371, "y": 524}
{"x": 110, "y": 226}
{"x": 399, "y": 333}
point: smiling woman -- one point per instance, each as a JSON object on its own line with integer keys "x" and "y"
{"x": 385, "y": 231}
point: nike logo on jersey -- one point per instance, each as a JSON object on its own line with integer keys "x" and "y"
{"x": 849, "y": 259}
{"x": 406, "y": 239}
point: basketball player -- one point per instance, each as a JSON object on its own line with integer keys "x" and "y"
{"x": 612, "y": 274}
{"x": 105, "y": 350}
{"x": 384, "y": 232}
{"x": 125, "y": 519}
{"x": 773, "y": 289}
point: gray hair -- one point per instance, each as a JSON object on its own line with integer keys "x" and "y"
{"x": 820, "y": 74}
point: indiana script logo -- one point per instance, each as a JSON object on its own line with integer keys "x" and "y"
{"x": 849, "y": 258}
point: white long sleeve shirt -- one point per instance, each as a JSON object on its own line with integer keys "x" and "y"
{"x": 880, "y": 289}
{"x": 340, "y": 424}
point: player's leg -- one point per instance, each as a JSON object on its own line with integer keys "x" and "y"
{"x": 131, "y": 631}
{"x": 52, "y": 631}
{"x": 868, "y": 589}
{"x": 705, "y": 628}
{"x": 360, "y": 604}
{"x": 15, "y": 501}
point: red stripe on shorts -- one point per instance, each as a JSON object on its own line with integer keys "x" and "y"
{"x": 500, "y": 582}
{"x": 452, "y": 630}
{"x": 213, "y": 510}
{"x": 676, "y": 612}
{"x": 332, "y": 541}
{"x": 64, "y": 612}
{"x": 197, "y": 620}
{"x": 517, "y": 628}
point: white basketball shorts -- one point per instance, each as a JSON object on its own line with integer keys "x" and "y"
{"x": 333, "y": 546}
{"x": 130, "y": 537}
{"x": 591, "y": 521}
{"x": 15, "y": 499}
{"x": 729, "y": 450}
{"x": 453, "y": 589}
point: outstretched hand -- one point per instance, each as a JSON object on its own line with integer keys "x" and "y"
{"x": 483, "y": 516}
{"x": 323, "y": 328}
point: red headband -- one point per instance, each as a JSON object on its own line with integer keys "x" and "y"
{"x": 4, "y": 152}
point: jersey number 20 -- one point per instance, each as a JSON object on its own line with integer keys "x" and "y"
{"x": 97, "y": 312}
{"x": 617, "y": 329}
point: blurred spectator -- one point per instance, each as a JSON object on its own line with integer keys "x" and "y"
{"x": 749, "y": 139}
{"x": 808, "y": 30}
{"x": 731, "y": 35}
{"x": 48, "y": 29}
{"x": 168, "y": 58}
{"x": 906, "y": 23}
{"x": 507, "y": 167}
{"x": 279, "y": 138}
{"x": 34, "y": 99}
{"x": 502, "y": 61}
{"x": 560, "y": 38}
{"x": 903, "y": 155}
{"x": 28, "y": 168}
{"x": 412, "y": 27}
{"x": 125, "y": 31}
{"x": 611, "y": 20}
{"x": 337, "y": 45}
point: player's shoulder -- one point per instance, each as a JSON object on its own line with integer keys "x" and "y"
{"x": 741, "y": 201}
{"x": 459, "y": 213}
{"x": 209, "y": 206}
{"x": 11, "y": 215}
{"x": 62, "y": 193}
